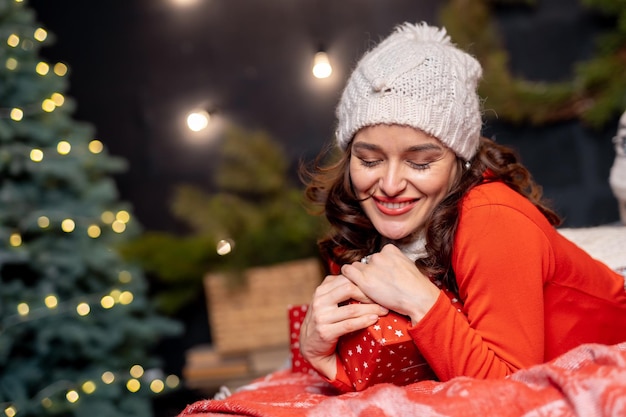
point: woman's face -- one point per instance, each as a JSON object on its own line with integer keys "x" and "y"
{"x": 400, "y": 174}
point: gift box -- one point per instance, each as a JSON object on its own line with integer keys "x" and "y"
{"x": 296, "y": 316}
{"x": 384, "y": 352}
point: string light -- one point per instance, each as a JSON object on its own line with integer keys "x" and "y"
{"x": 36, "y": 155}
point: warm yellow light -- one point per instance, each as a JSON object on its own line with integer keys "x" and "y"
{"x": 94, "y": 231}
{"x": 118, "y": 226}
{"x": 36, "y": 155}
{"x": 41, "y": 34}
{"x": 321, "y": 65}
{"x": 10, "y": 411}
{"x": 43, "y": 222}
{"x": 136, "y": 371}
{"x": 115, "y": 294}
{"x": 133, "y": 385}
{"x": 107, "y": 217}
{"x": 23, "y": 309}
{"x": 172, "y": 381}
{"x": 60, "y": 69}
{"x": 126, "y": 297}
{"x": 224, "y": 247}
{"x": 88, "y": 387}
{"x": 108, "y": 377}
{"x": 198, "y": 120}
{"x": 72, "y": 396}
{"x": 11, "y": 64}
{"x": 95, "y": 146}
{"x": 157, "y": 386}
{"x": 68, "y": 225}
{"x": 48, "y": 105}
{"x": 42, "y": 68}
{"x": 58, "y": 99}
{"x": 64, "y": 147}
{"x": 13, "y": 40}
{"x": 46, "y": 402}
{"x": 107, "y": 302}
{"x": 83, "y": 309}
{"x": 15, "y": 239}
{"x": 125, "y": 277}
{"x": 123, "y": 216}
{"x": 17, "y": 114}
{"x": 51, "y": 301}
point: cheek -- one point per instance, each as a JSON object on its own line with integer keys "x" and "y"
{"x": 361, "y": 179}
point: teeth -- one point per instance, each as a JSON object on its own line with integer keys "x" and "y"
{"x": 394, "y": 205}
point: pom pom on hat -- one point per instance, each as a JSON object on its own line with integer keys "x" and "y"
{"x": 415, "y": 77}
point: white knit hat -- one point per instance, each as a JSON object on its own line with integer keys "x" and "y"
{"x": 416, "y": 77}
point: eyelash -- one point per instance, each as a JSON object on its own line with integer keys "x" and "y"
{"x": 419, "y": 167}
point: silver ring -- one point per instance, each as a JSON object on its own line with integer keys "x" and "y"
{"x": 366, "y": 259}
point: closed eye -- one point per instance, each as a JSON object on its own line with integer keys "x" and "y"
{"x": 417, "y": 166}
{"x": 368, "y": 163}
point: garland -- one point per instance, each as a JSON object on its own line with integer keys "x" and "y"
{"x": 595, "y": 94}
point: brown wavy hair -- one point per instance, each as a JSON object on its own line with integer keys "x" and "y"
{"x": 352, "y": 235}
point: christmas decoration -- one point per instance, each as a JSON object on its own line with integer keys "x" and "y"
{"x": 76, "y": 326}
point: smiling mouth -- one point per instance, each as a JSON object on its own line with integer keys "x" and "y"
{"x": 395, "y": 208}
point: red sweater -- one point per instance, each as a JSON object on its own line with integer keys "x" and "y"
{"x": 529, "y": 294}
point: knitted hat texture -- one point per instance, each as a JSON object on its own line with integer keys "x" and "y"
{"x": 415, "y": 77}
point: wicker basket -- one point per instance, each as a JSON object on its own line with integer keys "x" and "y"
{"x": 255, "y": 315}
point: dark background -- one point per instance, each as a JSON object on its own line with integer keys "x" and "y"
{"x": 137, "y": 67}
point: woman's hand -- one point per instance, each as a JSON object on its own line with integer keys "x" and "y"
{"x": 392, "y": 280}
{"x": 329, "y": 318}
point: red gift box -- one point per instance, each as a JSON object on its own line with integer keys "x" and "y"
{"x": 384, "y": 352}
{"x": 296, "y": 316}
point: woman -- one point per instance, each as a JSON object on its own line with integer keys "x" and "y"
{"x": 418, "y": 195}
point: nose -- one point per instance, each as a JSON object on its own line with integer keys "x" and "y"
{"x": 393, "y": 181}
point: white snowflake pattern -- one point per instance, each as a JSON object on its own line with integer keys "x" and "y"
{"x": 399, "y": 333}
{"x": 376, "y": 327}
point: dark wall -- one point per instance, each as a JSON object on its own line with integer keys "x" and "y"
{"x": 570, "y": 160}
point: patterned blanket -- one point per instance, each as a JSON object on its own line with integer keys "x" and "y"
{"x": 587, "y": 381}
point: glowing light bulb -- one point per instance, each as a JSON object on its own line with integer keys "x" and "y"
{"x": 133, "y": 385}
{"x": 23, "y": 309}
{"x": 172, "y": 381}
{"x": 118, "y": 226}
{"x": 95, "y": 146}
{"x": 36, "y": 155}
{"x": 321, "y": 65}
{"x": 10, "y": 411}
{"x": 17, "y": 114}
{"x": 83, "y": 309}
{"x": 58, "y": 99}
{"x": 51, "y": 301}
{"x": 15, "y": 239}
{"x": 68, "y": 225}
{"x": 224, "y": 247}
{"x": 108, "y": 377}
{"x": 42, "y": 68}
{"x": 107, "y": 217}
{"x": 107, "y": 302}
{"x": 64, "y": 147}
{"x": 72, "y": 396}
{"x": 126, "y": 297}
{"x": 94, "y": 231}
{"x": 43, "y": 222}
{"x": 11, "y": 64}
{"x": 123, "y": 216}
{"x": 198, "y": 120}
{"x": 40, "y": 34}
{"x": 136, "y": 371}
{"x": 125, "y": 277}
{"x": 88, "y": 387}
{"x": 157, "y": 386}
{"x": 13, "y": 40}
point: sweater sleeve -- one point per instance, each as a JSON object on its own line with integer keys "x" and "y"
{"x": 500, "y": 258}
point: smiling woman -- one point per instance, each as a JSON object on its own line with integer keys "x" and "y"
{"x": 435, "y": 209}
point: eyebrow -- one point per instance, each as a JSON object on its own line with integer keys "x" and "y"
{"x": 415, "y": 148}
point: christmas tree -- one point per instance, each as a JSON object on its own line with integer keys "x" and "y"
{"x": 77, "y": 329}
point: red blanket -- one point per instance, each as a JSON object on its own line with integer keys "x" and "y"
{"x": 587, "y": 381}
